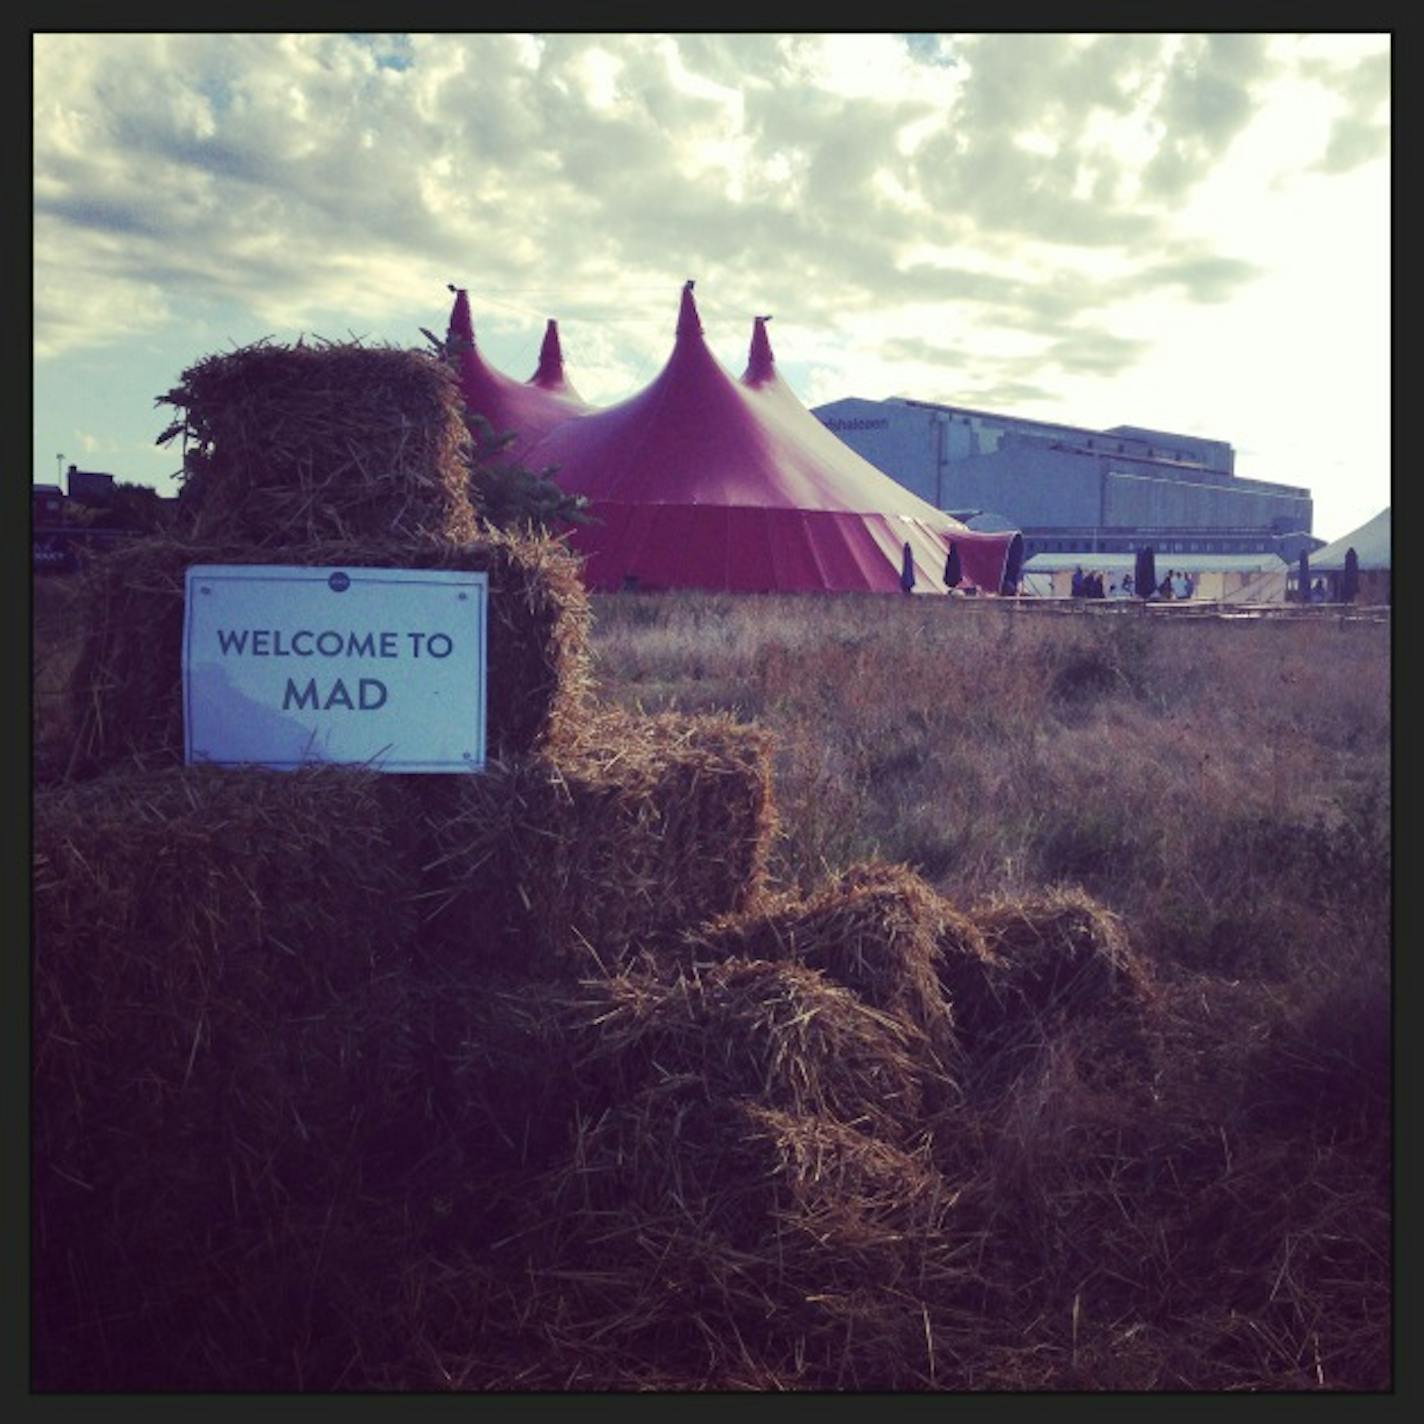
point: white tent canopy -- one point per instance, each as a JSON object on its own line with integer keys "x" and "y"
{"x": 1125, "y": 563}
{"x": 1220, "y": 578}
{"x": 1370, "y": 543}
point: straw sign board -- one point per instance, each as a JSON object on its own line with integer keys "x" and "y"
{"x": 286, "y": 666}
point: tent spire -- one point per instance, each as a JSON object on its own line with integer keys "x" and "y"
{"x": 551, "y": 358}
{"x": 461, "y": 326}
{"x": 761, "y": 364}
{"x": 688, "y": 323}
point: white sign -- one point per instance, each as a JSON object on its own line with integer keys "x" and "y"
{"x": 287, "y": 666}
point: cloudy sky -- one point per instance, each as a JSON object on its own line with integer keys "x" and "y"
{"x": 1186, "y": 232}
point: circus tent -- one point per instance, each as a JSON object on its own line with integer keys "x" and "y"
{"x": 704, "y": 481}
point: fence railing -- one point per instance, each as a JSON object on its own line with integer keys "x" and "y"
{"x": 1187, "y": 608}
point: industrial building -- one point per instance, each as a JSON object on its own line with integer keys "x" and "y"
{"x": 1074, "y": 490}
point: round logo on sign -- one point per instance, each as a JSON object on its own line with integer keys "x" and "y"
{"x": 339, "y": 582}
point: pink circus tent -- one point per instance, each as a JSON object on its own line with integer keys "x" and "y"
{"x": 528, "y": 409}
{"x": 704, "y": 481}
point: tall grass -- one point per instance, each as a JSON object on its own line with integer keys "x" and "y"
{"x": 1225, "y": 786}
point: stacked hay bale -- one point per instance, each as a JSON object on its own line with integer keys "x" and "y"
{"x": 875, "y": 928}
{"x": 222, "y": 1075}
{"x": 746, "y": 1184}
{"x": 287, "y": 446}
{"x": 563, "y": 863}
{"x": 261, "y": 1078}
{"x": 1051, "y": 964}
{"x": 322, "y": 456}
{"x": 126, "y": 692}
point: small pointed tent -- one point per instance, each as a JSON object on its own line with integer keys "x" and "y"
{"x": 1371, "y": 545}
{"x": 528, "y": 410}
{"x": 704, "y": 481}
{"x": 1370, "y": 542}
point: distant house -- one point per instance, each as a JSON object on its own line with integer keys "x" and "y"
{"x": 47, "y": 506}
{"x": 90, "y": 487}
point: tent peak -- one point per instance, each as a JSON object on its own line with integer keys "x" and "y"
{"x": 461, "y": 323}
{"x": 688, "y": 322}
{"x": 761, "y": 363}
{"x": 551, "y": 357}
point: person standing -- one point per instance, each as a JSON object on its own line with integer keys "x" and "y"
{"x": 1078, "y": 589}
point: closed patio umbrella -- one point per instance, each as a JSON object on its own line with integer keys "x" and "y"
{"x": 907, "y": 568}
{"x": 1144, "y": 576}
{"x": 953, "y": 573}
{"x": 1350, "y": 579}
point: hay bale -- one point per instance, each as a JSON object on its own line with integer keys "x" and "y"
{"x": 330, "y": 442}
{"x": 874, "y": 929}
{"x": 560, "y": 863}
{"x": 223, "y": 1077}
{"x": 1054, "y": 959}
{"x": 704, "y": 1237}
{"x": 1063, "y": 952}
{"x": 125, "y": 695}
{"x": 780, "y": 1034}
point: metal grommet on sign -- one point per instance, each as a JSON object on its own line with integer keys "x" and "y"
{"x": 339, "y": 582}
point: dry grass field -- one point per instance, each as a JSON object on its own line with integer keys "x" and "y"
{"x": 1224, "y": 785}
{"x": 1147, "y": 863}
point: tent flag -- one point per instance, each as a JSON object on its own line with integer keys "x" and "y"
{"x": 525, "y": 410}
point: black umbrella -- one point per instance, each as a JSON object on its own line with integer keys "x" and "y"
{"x": 953, "y": 573}
{"x": 1303, "y": 578}
{"x": 1013, "y": 566}
{"x": 1350, "y": 584}
{"x": 907, "y": 569}
{"x": 1144, "y": 576}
